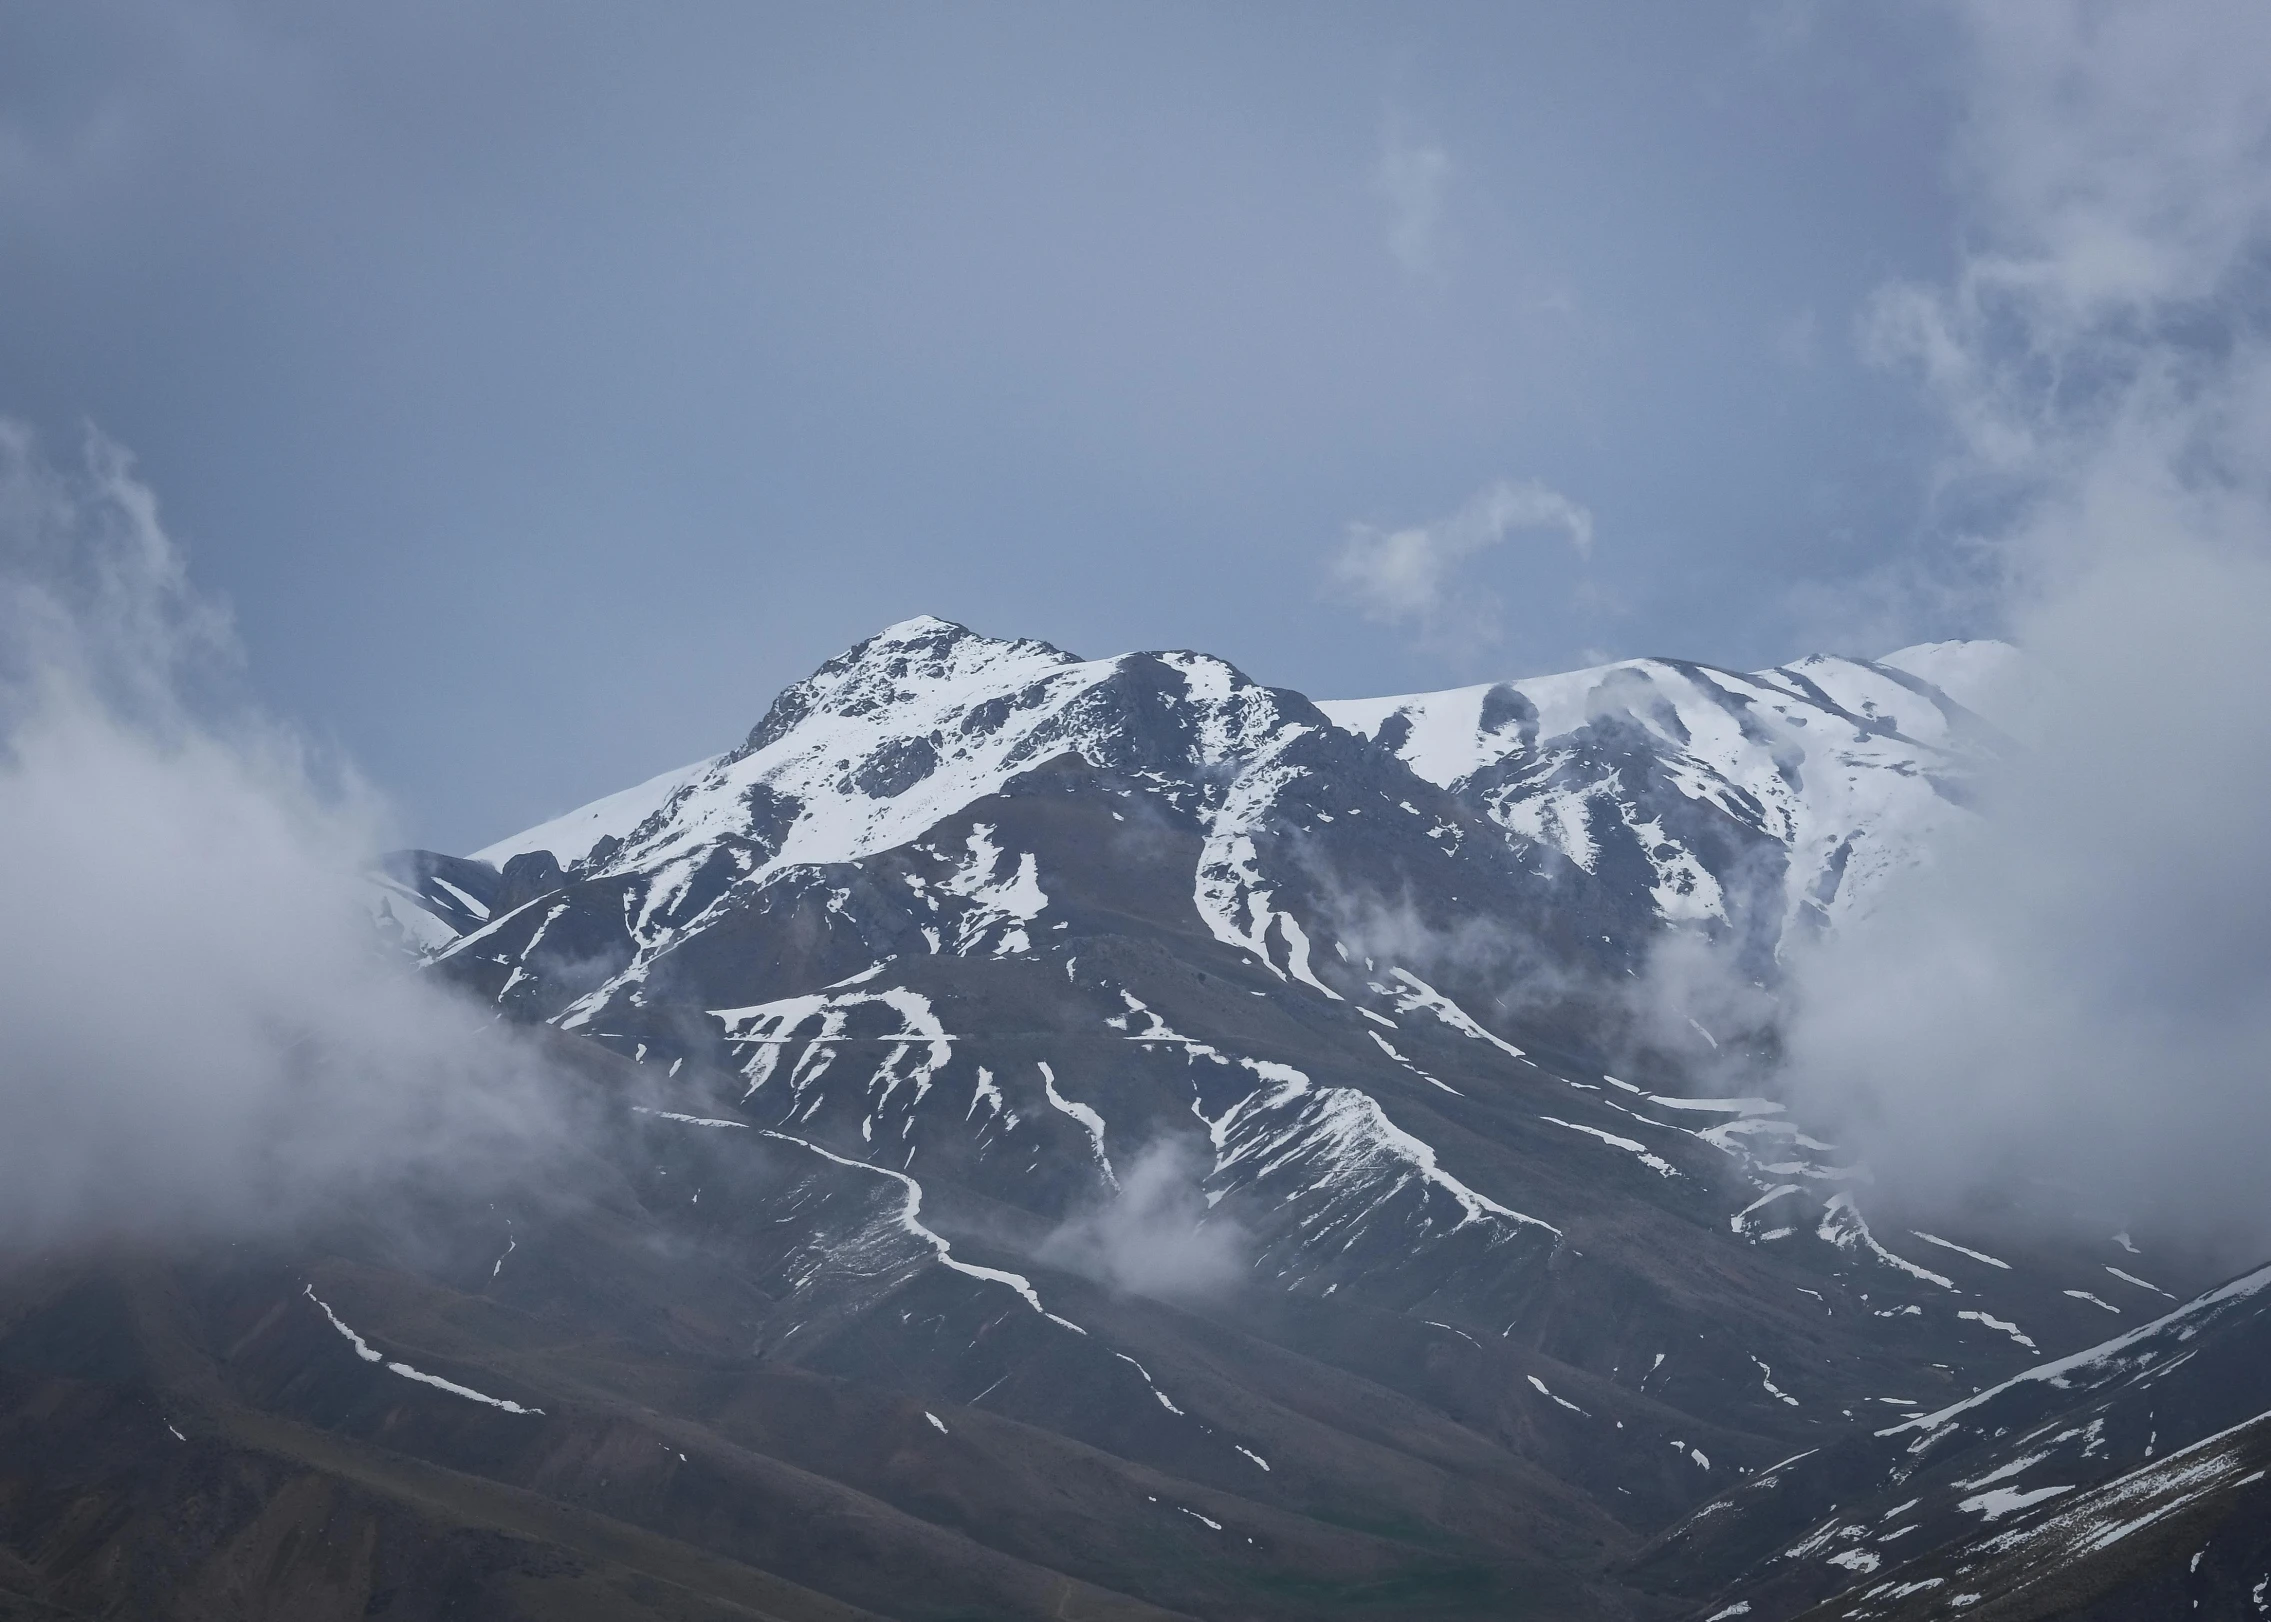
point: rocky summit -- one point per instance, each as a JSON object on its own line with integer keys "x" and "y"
{"x": 1065, "y": 1138}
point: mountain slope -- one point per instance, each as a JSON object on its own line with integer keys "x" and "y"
{"x": 2072, "y": 1488}
{"x": 1755, "y": 805}
{"x": 1079, "y": 1137}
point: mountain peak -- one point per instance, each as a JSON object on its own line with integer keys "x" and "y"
{"x": 894, "y": 666}
{"x": 918, "y": 628}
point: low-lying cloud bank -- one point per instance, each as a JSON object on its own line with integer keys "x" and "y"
{"x": 2072, "y": 1005}
{"x": 198, "y": 1033}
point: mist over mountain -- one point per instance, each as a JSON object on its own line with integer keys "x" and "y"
{"x": 1018, "y": 1130}
{"x": 1763, "y": 1123}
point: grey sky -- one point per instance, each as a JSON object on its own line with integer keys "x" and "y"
{"x": 547, "y": 385}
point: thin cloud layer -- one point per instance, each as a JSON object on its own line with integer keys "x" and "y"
{"x": 1411, "y": 180}
{"x": 198, "y": 1032}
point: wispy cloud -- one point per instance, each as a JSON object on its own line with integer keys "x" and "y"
{"x": 1156, "y": 1236}
{"x": 1414, "y": 576}
{"x": 1411, "y": 179}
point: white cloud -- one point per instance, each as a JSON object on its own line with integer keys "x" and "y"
{"x": 1413, "y": 576}
{"x": 2072, "y": 996}
{"x": 1411, "y": 178}
{"x": 197, "y": 1030}
{"x": 1156, "y": 1236}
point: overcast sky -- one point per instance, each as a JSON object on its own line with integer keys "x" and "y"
{"x": 547, "y": 385}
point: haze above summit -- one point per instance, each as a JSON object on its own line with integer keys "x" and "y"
{"x": 545, "y": 399}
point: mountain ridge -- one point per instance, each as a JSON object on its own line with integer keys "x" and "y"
{"x": 1977, "y": 668}
{"x": 1108, "y": 1131}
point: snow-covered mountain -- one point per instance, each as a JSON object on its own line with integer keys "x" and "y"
{"x": 1746, "y": 806}
{"x": 1108, "y": 1138}
{"x": 1758, "y": 804}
